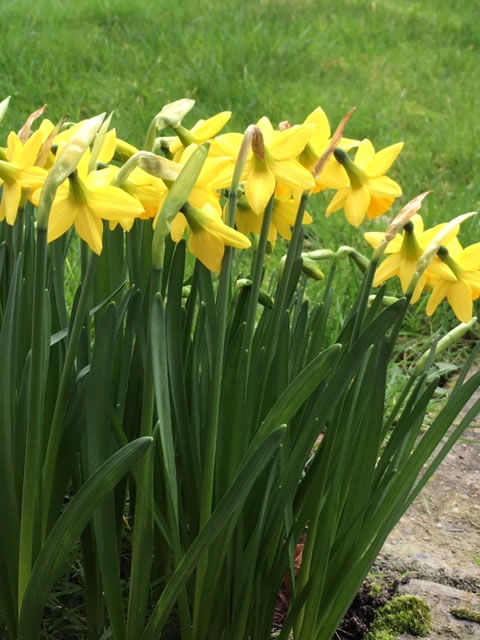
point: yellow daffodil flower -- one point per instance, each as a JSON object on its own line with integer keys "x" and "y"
{"x": 283, "y": 218}
{"x": 208, "y": 236}
{"x": 333, "y": 175}
{"x": 84, "y": 201}
{"x": 201, "y": 132}
{"x": 17, "y": 171}
{"x": 460, "y": 284}
{"x": 271, "y": 161}
{"x": 405, "y": 250}
{"x": 370, "y": 192}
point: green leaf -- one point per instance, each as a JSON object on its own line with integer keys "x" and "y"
{"x": 66, "y": 531}
{"x": 226, "y": 509}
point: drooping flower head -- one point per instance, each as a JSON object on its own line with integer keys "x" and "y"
{"x": 17, "y": 172}
{"x": 207, "y": 235}
{"x": 370, "y": 192}
{"x": 85, "y": 201}
{"x": 271, "y": 161}
{"x": 459, "y": 283}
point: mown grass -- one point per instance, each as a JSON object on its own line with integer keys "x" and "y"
{"x": 411, "y": 68}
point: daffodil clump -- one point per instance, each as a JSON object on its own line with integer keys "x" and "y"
{"x": 280, "y": 164}
{"x": 181, "y": 423}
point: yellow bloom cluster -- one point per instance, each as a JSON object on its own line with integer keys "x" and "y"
{"x": 280, "y": 164}
{"x": 453, "y": 273}
{"x": 114, "y": 181}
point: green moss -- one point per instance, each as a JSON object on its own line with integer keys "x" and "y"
{"x": 403, "y": 614}
{"x": 466, "y": 614}
{"x": 376, "y": 589}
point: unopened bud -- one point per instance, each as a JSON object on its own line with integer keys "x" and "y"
{"x": 170, "y": 116}
{"x": 310, "y": 268}
{"x": 452, "y": 336}
{"x": 3, "y": 107}
{"x": 65, "y": 164}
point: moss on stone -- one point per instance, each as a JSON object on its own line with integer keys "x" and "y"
{"x": 466, "y": 614}
{"x": 402, "y": 614}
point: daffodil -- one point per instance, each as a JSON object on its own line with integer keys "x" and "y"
{"x": 333, "y": 175}
{"x": 207, "y": 236}
{"x": 201, "y": 132}
{"x": 271, "y": 162}
{"x": 460, "y": 283}
{"x": 17, "y": 171}
{"x": 405, "y": 250}
{"x": 84, "y": 201}
{"x": 370, "y": 192}
{"x": 283, "y": 218}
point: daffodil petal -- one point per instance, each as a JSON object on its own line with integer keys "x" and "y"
{"x": 419, "y": 287}
{"x": 14, "y": 147}
{"x": 292, "y": 174}
{"x": 387, "y": 269}
{"x": 265, "y": 127}
{"x": 259, "y": 188}
{"x": 333, "y": 176}
{"x": 470, "y": 259}
{"x": 62, "y": 216}
{"x": 203, "y": 197}
{"x": 375, "y": 238}
{"x": 438, "y": 294}
{"x": 31, "y": 148}
{"x": 90, "y": 228}
{"x": 11, "y": 194}
{"x": 378, "y": 206}
{"x": 356, "y": 205}
{"x": 227, "y": 144}
{"x": 177, "y": 227}
{"x": 112, "y": 203}
{"x": 384, "y": 187}
{"x": 365, "y": 153}
{"x": 208, "y": 248}
{"x": 405, "y": 273}
{"x": 318, "y": 117}
{"x": 459, "y": 296}
{"x": 206, "y": 129}
{"x": 337, "y": 202}
{"x": 32, "y": 177}
{"x": 108, "y": 147}
{"x": 383, "y": 160}
{"x": 288, "y": 144}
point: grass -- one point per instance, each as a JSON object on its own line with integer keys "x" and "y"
{"x": 412, "y": 70}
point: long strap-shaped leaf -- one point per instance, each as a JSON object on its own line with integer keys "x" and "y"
{"x": 64, "y": 534}
{"x": 221, "y": 516}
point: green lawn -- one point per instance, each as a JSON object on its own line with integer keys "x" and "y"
{"x": 411, "y": 68}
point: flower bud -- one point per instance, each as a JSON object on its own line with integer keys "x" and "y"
{"x": 170, "y": 116}
{"x": 3, "y": 107}
{"x": 309, "y": 267}
{"x": 65, "y": 164}
{"x": 177, "y": 196}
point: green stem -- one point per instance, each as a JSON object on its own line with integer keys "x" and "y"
{"x": 33, "y": 451}
{"x": 142, "y": 547}
{"x": 17, "y": 235}
{"x": 293, "y": 253}
{"x": 257, "y": 277}
{"x": 56, "y": 429}
{"x": 206, "y": 498}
